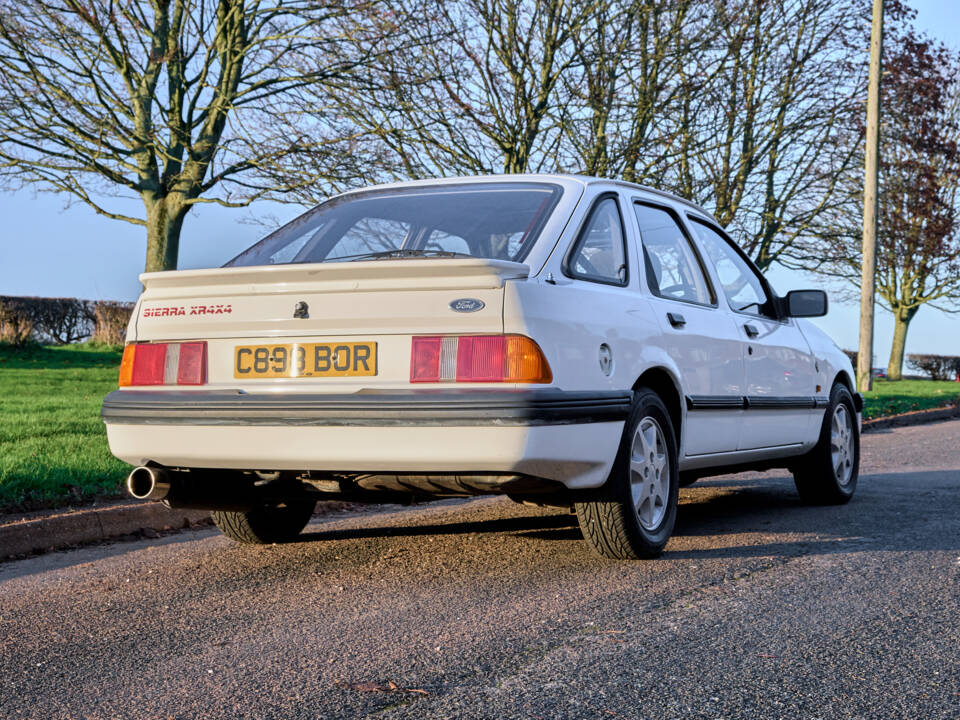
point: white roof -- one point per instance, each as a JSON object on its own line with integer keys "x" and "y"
{"x": 533, "y": 177}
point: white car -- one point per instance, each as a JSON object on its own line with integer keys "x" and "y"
{"x": 563, "y": 340}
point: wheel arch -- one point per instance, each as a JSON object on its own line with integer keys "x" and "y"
{"x": 662, "y": 382}
{"x": 844, "y": 380}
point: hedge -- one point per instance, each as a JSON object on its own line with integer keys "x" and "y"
{"x": 938, "y": 367}
{"x": 61, "y": 321}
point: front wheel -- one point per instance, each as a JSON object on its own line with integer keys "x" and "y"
{"x": 265, "y": 525}
{"x": 828, "y": 474}
{"x": 636, "y": 513}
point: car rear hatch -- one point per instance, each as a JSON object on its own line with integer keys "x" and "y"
{"x": 369, "y": 307}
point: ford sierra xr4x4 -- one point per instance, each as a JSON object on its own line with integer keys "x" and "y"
{"x": 562, "y": 340}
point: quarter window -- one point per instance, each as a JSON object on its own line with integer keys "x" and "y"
{"x": 741, "y": 286}
{"x": 599, "y": 252}
{"x": 672, "y": 267}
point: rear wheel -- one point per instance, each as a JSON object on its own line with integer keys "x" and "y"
{"x": 635, "y": 516}
{"x": 828, "y": 473}
{"x": 264, "y": 525}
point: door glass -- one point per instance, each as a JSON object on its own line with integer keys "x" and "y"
{"x": 598, "y": 254}
{"x": 673, "y": 269}
{"x": 740, "y": 284}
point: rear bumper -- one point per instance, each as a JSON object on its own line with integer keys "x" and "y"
{"x": 569, "y": 437}
{"x": 379, "y": 409}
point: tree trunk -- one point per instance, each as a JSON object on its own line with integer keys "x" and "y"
{"x": 900, "y": 327}
{"x": 164, "y": 223}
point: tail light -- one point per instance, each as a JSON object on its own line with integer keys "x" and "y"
{"x": 478, "y": 358}
{"x": 164, "y": 364}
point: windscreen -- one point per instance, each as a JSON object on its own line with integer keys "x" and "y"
{"x": 488, "y": 220}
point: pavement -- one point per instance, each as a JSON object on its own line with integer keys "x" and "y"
{"x": 760, "y": 608}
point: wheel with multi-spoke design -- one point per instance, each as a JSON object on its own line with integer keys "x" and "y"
{"x": 828, "y": 474}
{"x": 635, "y": 515}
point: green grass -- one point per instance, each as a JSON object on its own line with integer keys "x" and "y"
{"x": 53, "y": 447}
{"x": 893, "y": 398}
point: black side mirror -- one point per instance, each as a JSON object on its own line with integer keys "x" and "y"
{"x": 805, "y": 303}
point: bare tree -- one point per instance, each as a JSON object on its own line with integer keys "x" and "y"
{"x": 918, "y": 239}
{"x": 479, "y": 93}
{"x": 744, "y": 105}
{"x": 620, "y": 102}
{"x": 782, "y": 82}
{"x": 177, "y": 102}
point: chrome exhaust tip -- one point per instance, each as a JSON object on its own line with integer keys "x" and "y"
{"x": 148, "y": 483}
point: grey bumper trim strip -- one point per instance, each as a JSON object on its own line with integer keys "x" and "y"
{"x": 715, "y": 402}
{"x": 386, "y": 408}
{"x": 755, "y": 402}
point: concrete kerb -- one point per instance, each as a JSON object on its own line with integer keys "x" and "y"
{"x": 55, "y": 530}
{"x": 917, "y": 417}
{"x": 88, "y": 525}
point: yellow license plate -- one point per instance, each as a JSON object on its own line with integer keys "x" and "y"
{"x": 305, "y": 360}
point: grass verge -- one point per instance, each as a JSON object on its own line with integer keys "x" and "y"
{"x": 53, "y": 446}
{"x": 893, "y": 398}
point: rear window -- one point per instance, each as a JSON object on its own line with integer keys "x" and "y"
{"x": 491, "y": 220}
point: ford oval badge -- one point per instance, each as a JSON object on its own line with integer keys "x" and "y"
{"x": 466, "y": 305}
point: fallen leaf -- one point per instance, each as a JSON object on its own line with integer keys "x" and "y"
{"x": 372, "y": 687}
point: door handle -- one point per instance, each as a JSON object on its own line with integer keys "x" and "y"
{"x": 751, "y": 330}
{"x": 676, "y": 319}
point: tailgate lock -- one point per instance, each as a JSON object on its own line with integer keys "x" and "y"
{"x": 301, "y": 311}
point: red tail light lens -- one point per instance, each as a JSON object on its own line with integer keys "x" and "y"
{"x": 478, "y": 358}
{"x": 164, "y": 364}
{"x": 148, "y": 365}
{"x": 425, "y": 360}
{"x": 192, "y": 367}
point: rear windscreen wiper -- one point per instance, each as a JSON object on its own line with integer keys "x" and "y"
{"x": 400, "y": 253}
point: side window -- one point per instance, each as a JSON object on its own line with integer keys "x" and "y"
{"x": 672, "y": 267}
{"x": 598, "y": 254}
{"x": 741, "y": 286}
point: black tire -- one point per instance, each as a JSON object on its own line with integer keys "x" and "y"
{"x": 612, "y": 524}
{"x": 823, "y": 477}
{"x": 265, "y": 525}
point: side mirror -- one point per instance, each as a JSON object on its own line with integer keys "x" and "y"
{"x": 806, "y": 303}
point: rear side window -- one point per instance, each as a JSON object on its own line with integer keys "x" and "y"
{"x": 599, "y": 254}
{"x": 672, "y": 267}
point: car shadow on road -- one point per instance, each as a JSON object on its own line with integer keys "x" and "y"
{"x": 763, "y": 514}
{"x": 517, "y": 525}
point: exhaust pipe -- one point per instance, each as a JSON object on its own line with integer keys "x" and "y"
{"x": 148, "y": 483}
{"x": 208, "y": 489}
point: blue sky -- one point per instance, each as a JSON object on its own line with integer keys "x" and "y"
{"x": 48, "y": 249}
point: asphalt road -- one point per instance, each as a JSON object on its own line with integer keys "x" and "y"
{"x": 760, "y": 608}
